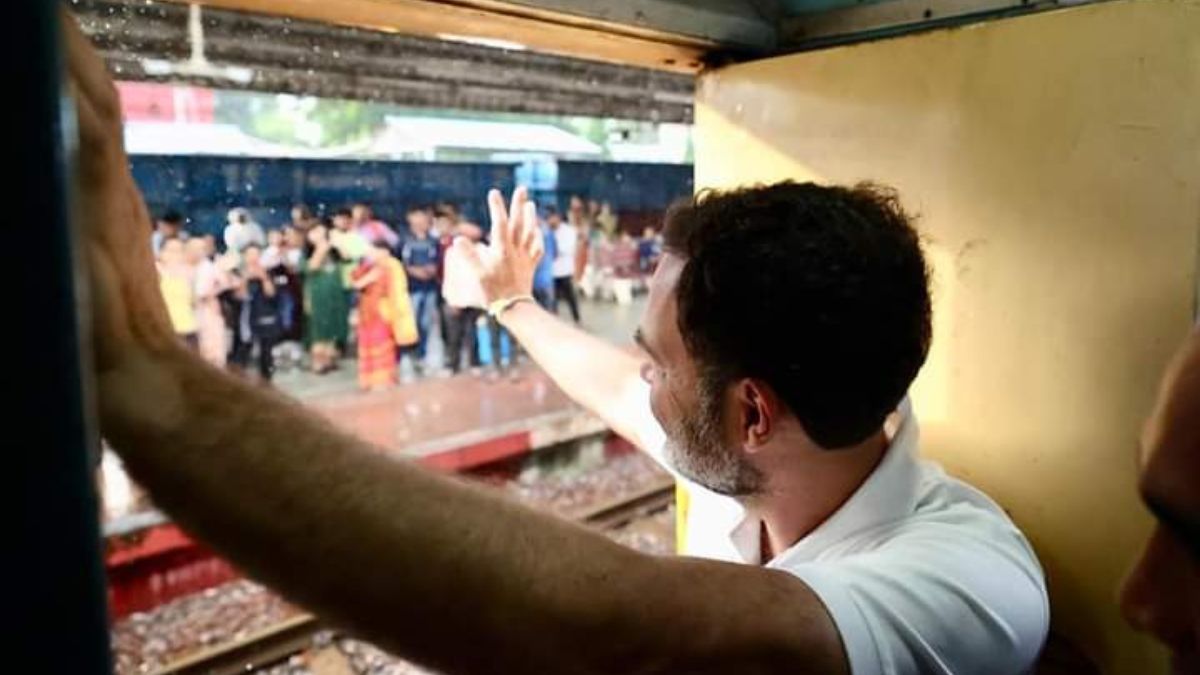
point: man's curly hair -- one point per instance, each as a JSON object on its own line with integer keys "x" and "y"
{"x": 820, "y": 291}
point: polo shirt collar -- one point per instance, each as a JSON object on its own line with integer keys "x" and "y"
{"x": 890, "y": 493}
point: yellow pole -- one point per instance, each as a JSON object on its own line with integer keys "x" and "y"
{"x": 681, "y": 511}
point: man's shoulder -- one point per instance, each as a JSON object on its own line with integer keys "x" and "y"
{"x": 949, "y": 582}
{"x": 948, "y": 514}
{"x": 945, "y": 501}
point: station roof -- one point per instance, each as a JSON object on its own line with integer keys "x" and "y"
{"x": 406, "y": 134}
{"x": 167, "y": 138}
{"x": 401, "y": 136}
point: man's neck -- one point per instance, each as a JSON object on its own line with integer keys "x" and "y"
{"x": 807, "y": 488}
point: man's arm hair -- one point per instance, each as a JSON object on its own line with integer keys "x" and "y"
{"x": 419, "y": 563}
{"x": 596, "y": 374}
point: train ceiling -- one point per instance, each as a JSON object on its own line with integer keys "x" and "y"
{"x": 152, "y": 41}
{"x": 623, "y": 58}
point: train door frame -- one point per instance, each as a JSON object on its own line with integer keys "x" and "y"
{"x": 55, "y": 597}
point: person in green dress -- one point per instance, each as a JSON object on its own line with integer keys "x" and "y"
{"x": 325, "y": 304}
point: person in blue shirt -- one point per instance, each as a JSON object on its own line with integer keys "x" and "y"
{"x": 543, "y": 279}
{"x": 649, "y": 251}
{"x": 419, "y": 254}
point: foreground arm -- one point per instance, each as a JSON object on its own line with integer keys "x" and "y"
{"x": 416, "y": 562}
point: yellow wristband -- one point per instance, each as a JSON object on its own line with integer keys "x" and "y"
{"x": 498, "y": 307}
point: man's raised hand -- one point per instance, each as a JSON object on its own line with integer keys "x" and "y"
{"x": 128, "y": 314}
{"x": 506, "y": 267}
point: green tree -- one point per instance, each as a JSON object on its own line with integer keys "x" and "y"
{"x": 347, "y": 121}
{"x": 594, "y": 129}
{"x": 306, "y": 121}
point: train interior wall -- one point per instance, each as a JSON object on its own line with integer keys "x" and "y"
{"x": 1053, "y": 160}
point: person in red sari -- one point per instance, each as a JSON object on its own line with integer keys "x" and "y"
{"x": 385, "y": 317}
{"x": 376, "y": 348}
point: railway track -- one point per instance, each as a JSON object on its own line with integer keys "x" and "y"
{"x": 294, "y": 635}
{"x": 621, "y": 510}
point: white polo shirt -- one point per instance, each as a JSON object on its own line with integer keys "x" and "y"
{"x": 921, "y": 572}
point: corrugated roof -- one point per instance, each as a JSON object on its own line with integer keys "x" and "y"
{"x": 171, "y": 138}
{"x": 401, "y": 136}
{"x": 414, "y": 134}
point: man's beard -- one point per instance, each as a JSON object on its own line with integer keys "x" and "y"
{"x": 696, "y": 450}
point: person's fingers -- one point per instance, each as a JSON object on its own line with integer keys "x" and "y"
{"x": 89, "y": 72}
{"x": 516, "y": 216}
{"x": 525, "y": 242}
{"x": 537, "y": 250}
{"x": 531, "y": 232}
{"x": 499, "y": 218}
{"x": 92, "y": 132}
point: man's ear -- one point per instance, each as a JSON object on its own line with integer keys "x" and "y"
{"x": 757, "y": 412}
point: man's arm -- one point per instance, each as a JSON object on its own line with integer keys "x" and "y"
{"x": 418, "y": 563}
{"x": 421, "y": 272}
{"x": 434, "y": 569}
{"x": 598, "y": 375}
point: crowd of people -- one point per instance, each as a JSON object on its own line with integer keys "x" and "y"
{"x": 314, "y": 289}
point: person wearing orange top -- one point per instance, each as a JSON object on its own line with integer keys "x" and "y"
{"x": 385, "y": 317}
